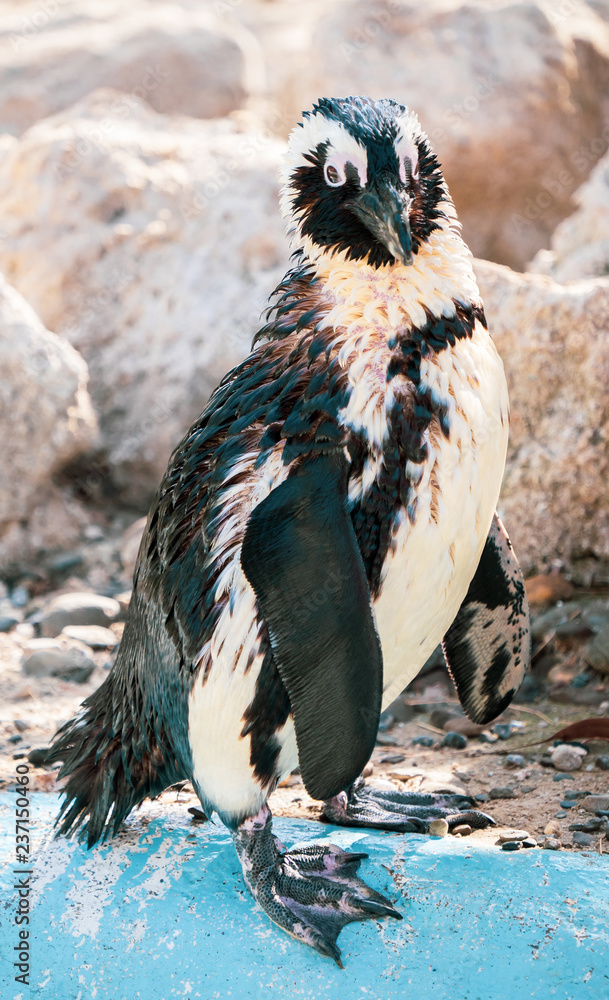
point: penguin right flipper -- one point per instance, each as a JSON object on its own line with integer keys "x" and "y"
{"x": 487, "y": 646}
{"x": 301, "y": 557}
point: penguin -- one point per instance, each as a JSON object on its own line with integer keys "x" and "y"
{"x": 327, "y": 520}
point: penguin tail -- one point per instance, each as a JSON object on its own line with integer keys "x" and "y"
{"x": 109, "y": 765}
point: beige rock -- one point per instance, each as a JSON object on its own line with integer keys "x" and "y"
{"x": 438, "y": 828}
{"x": 178, "y": 58}
{"x": 156, "y": 245}
{"x": 579, "y": 247}
{"x": 567, "y": 758}
{"x": 512, "y": 95}
{"x": 45, "y": 413}
{"x": 553, "y": 829}
{"x": 554, "y": 341}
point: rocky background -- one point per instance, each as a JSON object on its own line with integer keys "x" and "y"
{"x": 140, "y": 238}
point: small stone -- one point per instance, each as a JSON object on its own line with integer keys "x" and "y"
{"x": 438, "y": 828}
{"x": 529, "y": 842}
{"x": 561, "y": 777}
{"x": 17, "y": 738}
{"x": 567, "y": 758}
{"x": 502, "y": 730}
{"x": 8, "y": 621}
{"x": 69, "y": 663}
{"x": 77, "y": 609}
{"x": 502, "y": 793}
{"x": 486, "y": 737}
{"x": 511, "y": 845}
{"x": 596, "y": 803}
{"x": 386, "y": 740}
{"x": 598, "y": 651}
{"x": 506, "y": 835}
{"x": 553, "y": 829}
{"x": 590, "y": 826}
{"x": 580, "y": 680}
{"x": 95, "y": 636}
{"x": 572, "y": 793}
{"x": 423, "y": 741}
{"x": 25, "y": 630}
{"x": 560, "y": 814}
{"x": 93, "y": 533}
{"x": 583, "y": 839}
{"x": 38, "y": 756}
{"x": 568, "y": 803}
{"x": 386, "y": 720}
{"x": 551, "y": 844}
{"x": 65, "y": 561}
{"x": 20, "y": 725}
{"x": 525, "y": 789}
{"x": 455, "y": 740}
{"x": 603, "y": 762}
{"x": 481, "y": 797}
{"x": 514, "y": 760}
{"x": 463, "y": 830}
{"x": 20, "y": 597}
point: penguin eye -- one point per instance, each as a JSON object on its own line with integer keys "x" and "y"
{"x": 334, "y": 176}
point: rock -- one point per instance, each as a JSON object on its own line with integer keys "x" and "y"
{"x": 386, "y": 721}
{"x": 511, "y": 845}
{"x": 486, "y": 737}
{"x": 598, "y": 651}
{"x": 7, "y": 622}
{"x": 596, "y": 615}
{"x": 423, "y": 741}
{"x": 502, "y": 793}
{"x": 595, "y": 803}
{"x": 95, "y": 636}
{"x": 77, "y": 609}
{"x": 603, "y": 762}
{"x": 38, "y": 756}
{"x": 553, "y": 828}
{"x": 579, "y": 246}
{"x": 560, "y": 814}
{"x": 183, "y": 233}
{"x": 529, "y": 842}
{"x": 130, "y": 545}
{"x": 71, "y": 663}
{"x": 514, "y": 760}
{"x": 584, "y": 839}
{"x": 482, "y": 797}
{"x": 573, "y": 794}
{"x": 45, "y": 413}
{"x": 568, "y": 803}
{"x": 386, "y": 740}
{"x": 567, "y": 758}
{"x": 591, "y": 825}
{"x": 551, "y": 844}
{"x": 464, "y": 726}
{"x": 503, "y": 731}
{"x": 21, "y": 725}
{"x": 455, "y": 740}
{"x": 177, "y": 58}
{"x": 438, "y": 828}
{"x": 462, "y": 830}
{"x": 514, "y": 835}
{"x": 516, "y": 110}
{"x": 554, "y": 341}
{"x": 547, "y": 588}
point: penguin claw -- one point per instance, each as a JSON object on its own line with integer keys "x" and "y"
{"x": 311, "y": 892}
{"x": 402, "y": 812}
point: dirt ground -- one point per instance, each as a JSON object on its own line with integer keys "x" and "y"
{"x": 33, "y": 708}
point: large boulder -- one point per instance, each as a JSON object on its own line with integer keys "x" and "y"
{"x": 512, "y": 94}
{"x": 46, "y": 419}
{"x": 156, "y": 245}
{"x": 554, "y": 341}
{"x": 579, "y": 247}
{"x": 176, "y": 57}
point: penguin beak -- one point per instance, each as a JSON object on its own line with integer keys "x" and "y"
{"x": 382, "y": 210}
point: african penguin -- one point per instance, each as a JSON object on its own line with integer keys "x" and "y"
{"x": 328, "y": 519}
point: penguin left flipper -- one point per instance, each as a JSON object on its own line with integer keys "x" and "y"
{"x": 301, "y": 557}
{"x": 487, "y": 646}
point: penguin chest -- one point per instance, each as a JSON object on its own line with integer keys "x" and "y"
{"x": 438, "y": 540}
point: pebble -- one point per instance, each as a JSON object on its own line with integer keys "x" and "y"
{"x": 38, "y": 756}
{"x": 551, "y": 844}
{"x": 20, "y": 597}
{"x": 590, "y": 826}
{"x": 561, "y": 777}
{"x": 514, "y": 760}
{"x": 17, "y": 738}
{"x": 502, "y": 793}
{"x": 482, "y": 797}
{"x": 511, "y": 845}
{"x": 502, "y": 730}
{"x": 77, "y": 609}
{"x": 583, "y": 839}
{"x": 507, "y": 835}
{"x": 560, "y": 814}
{"x": 455, "y": 740}
{"x": 68, "y": 662}
{"x": 65, "y": 561}
{"x": 603, "y": 763}
{"x": 572, "y": 793}
{"x": 596, "y": 803}
{"x": 8, "y": 621}
{"x": 423, "y": 741}
{"x": 20, "y": 725}
{"x": 567, "y": 758}
{"x": 386, "y": 740}
{"x": 598, "y": 651}
{"x": 553, "y": 829}
{"x": 386, "y": 721}
{"x": 95, "y": 636}
{"x": 463, "y": 830}
{"x": 392, "y": 758}
{"x": 568, "y": 803}
{"x": 486, "y": 737}
{"x": 529, "y": 842}
{"x": 438, "y": 828}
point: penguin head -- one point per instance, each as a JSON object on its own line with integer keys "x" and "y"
{"x": 361, "y": 180}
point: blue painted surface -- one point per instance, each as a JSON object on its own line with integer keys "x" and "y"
{"x": 158, "y": 915}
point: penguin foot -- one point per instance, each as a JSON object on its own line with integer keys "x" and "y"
{"x": 402, "y": 812}
{"x": 311, "y": 892}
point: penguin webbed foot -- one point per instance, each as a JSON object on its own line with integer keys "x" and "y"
{"x": 402, "y": 812}
{"x": 311, "y": 892}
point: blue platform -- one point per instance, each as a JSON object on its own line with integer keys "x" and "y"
{"x": 162, "y": 913}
